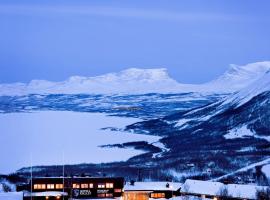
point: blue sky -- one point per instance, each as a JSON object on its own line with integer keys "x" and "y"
{"x": 195, "y": 40}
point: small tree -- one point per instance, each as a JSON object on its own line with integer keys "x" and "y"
{"x": 263, "y": 194}
{"x": 223, "y": 192}
{"x": 6, "y": 188}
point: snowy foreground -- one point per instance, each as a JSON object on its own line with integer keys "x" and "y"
{"x": 19, "y": 196}
{"x": 47, "y": 134}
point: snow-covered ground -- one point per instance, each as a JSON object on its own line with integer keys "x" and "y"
{"x": 47, "y": 134}
{"x": 266, "y": 170}
{"x": 243, "y": 132}
{"x": 11, "y": 196}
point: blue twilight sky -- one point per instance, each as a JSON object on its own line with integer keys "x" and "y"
{"x": 195, "y": 40}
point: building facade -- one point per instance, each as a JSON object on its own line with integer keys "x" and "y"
{"x": 72, "y": 187}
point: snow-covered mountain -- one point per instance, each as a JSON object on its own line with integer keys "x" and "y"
{"x": 228, "y": 134}
{"x": 134, "y": 81}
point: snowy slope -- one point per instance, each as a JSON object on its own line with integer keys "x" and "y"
{"x": 136, "y": 80}
{"x": 259, "y": 86}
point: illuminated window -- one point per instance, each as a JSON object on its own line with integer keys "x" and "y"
{"x": 101, "y": 185}
{"x": 101, "y": 195}
{"x": 158, "y": 195}
{"x": 59, "y": 186}
{"x": 109, "y": 195}
{"x": 91, "y": 185}
{"x": 117, "y": 190}
{"x": 84, "y": 185}
{"x": 39, "y": 186}
{"x": 50, "y": 186}
{"x": 76, "y": 186}
{"x": 109, "y": 185}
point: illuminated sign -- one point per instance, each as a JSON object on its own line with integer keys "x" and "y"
{"x": 78, "y": 193}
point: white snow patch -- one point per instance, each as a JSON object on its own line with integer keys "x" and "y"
{"x": 47, "y": 134}
{"x": 11, "y": 196}
{"x": 266, "y": 170}
{"x": 242, "y": 133}
{"x": 239, "y": 133}
{"x": 181, "y": 122}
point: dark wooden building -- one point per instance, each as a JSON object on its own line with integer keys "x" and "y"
{"x": 75, "y": 187}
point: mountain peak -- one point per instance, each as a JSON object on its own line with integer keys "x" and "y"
{"x": 136, "y": 80}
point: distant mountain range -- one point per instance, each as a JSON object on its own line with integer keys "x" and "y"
{"x": 204, "y": 132}
{"x": 140, "y": 81}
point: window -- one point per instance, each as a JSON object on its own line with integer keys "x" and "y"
{"x": 109, "y": 195}
{"x": 101, "y": 195}
{"x": 76, "y": 186}
{"x": 117, "y": 190}
{"x": 158, "y": 195}
{"x": 91, "y": 185}
{"x": 84, "y": 185}
{"x": 59, "y": 186}
{"x": 50, "y": 186}
{"x": 109, "y": 185}
{"x": 101, "y": 185}
{"x": 39, "y": 186}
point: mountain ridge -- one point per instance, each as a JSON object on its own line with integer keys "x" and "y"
{"x": 140, "y": 81}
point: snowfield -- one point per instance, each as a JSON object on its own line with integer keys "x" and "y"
{"x": 47, "y": 134}
{"x": 243, "y": 132}
{"x": 266, "y": 170}
{"x": 11, "y": 196}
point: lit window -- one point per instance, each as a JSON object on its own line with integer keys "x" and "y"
{"x": 76, "y": 186}
{"x": 109, "y": 195}
{"x": 101, "y": 185}
{"x": 109, "y": 185}
{"x": 59, "y": 186}
{"x": 101, "y": 195}
{"x": 117, "y": 190}
{"x": 91, "y": 185}
{"x": 50, "y": 186}
{"x": 39, "y": 186}
{"x": 84, "y": 185}
{"x": 158, "y": 195}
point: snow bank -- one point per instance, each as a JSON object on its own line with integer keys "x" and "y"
{"x": 11, "y": 196}
{"x": 266, "y": 170}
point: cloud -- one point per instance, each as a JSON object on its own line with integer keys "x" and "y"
{"x": 112, "y": 12}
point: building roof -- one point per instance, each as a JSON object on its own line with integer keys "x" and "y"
{"x": 152, "y": 186}
{"x": 216, "y": 188}
{"x": 201, "y": 187}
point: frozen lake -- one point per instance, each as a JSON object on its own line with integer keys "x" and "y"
{"x": 47, "y": 134}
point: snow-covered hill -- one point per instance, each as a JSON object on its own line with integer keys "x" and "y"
{"x": 134, "y": 81}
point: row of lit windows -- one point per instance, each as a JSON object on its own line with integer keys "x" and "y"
{"x": 110, "y": 195}
{"x": 91, "y": 185}
{"x": 157, "y": 195}
{"x": 47, "y": 186}
{"x": 74, "y": 186}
